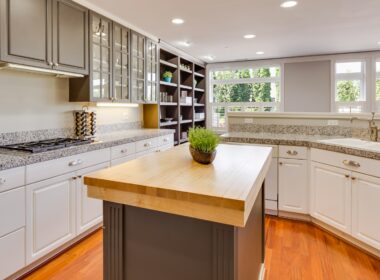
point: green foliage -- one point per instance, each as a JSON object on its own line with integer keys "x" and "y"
{"x": 257, "y": 92}
{"x": 167, "y": 74}
{"x": 203, "y": 140}
{"x": 348, "y": 91}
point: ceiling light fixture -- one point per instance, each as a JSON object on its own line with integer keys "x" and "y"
{"x": 288, "y": 3}
{"x": 185, "y": 43}
{"x": 177, "y": 21}
{"x": 249, "y": 36}
{"x": 260, "y": 53}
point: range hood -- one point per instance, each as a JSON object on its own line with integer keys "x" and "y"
{"x": 57, "y": 73}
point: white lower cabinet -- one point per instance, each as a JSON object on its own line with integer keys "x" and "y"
{"x": 12, "y": 253}
{"x": 50, "y": 220}
{"x": 89, "y": 211}
{"x": 293, "y": 186}
{"x": 122, "y": 160}
{"x": 366, "y": 209}
{"x": 331, "y": 196}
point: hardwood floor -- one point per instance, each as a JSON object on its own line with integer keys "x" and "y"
{"x": 294, "y": 251}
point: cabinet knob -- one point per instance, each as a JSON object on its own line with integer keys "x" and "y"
{"x": 347, "y": 176}
{"x": 292, "y": 153}
{"x": 280, "y": 163}
{"x": 75, "y": 162}
{"x": 50, "y": 63}
{"x": 74, "y": 178}
{"x": 2, "y": 181}
{"x": 147, "y": 145}
{"x": 166, "y": 139}
{"x": 353, "y": 178}
{"x": 123, "y": 151}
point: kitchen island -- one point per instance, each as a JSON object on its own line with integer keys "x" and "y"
{"x": 168, "y": 217}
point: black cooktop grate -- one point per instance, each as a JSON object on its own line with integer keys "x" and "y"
{"x": 47, "y": 145}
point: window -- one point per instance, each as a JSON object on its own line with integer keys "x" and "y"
{"x": 350, "y": 92}
{"x": 378, "y": 85}
{"x": 243, "y": 90}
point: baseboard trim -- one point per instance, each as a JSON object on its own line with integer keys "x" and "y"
{"x": 262, "y": 272}
{"x": 52, "y": 255}
{"x": 294, "y": 216}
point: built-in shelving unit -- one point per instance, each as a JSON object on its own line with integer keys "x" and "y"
{"x": 182, "y": 99}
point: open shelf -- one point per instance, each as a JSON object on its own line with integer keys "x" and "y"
{"x": 186, "y": 70}
{"x": 199, "y": 105}
{"x": 168, "y": 84}
{"x": 186, "y": 87}
{"x": 186, "y": 104}
{"x": 199, "y": 75}
{"x": 199, "y": 120}
{"x": 162, "y": 124}
{"x": 169, "y": 64}
{"x": 199, "y": 89}
{"x": 169, "y": 104}
{"x": 184, "y": 140}
{"x": 186, "y": 121}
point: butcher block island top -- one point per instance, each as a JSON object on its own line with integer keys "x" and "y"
{"x": 171, "y": 182}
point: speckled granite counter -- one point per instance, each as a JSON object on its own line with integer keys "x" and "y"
{"x": 312, "y": 141}
{"x": 11, "y": 159}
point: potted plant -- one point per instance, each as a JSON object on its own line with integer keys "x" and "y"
{"x": 167, "y": 76}
{"x": 203, "y": 143}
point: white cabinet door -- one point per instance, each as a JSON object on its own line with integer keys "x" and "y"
{"x": 12, "y": 253}
{"x": 331, "y": 196}
{"x": 366, "y": 209}
{"x": 293, "y": 186}
{"x": 89, "y": 210}
{"x": 50, "y": 216}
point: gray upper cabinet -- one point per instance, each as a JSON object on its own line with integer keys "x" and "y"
{"x": 138, "y": 67}
{"x": 70, "y": 37}
{"x": 25, "y": 32}
{"x": 151, "y": 72}
{"x": 48, "y": 34}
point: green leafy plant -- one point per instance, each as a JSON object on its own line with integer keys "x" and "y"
{"x": 203, "y": 139}
{"x": 167, "y": 74}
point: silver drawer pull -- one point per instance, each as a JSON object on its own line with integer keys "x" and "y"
{"x": 166, "y": 139}
{"x": 351, "y": 163}
{"x": 75, "y": 162}
{"x": 147, "y": 145}
{"x": 3, "y": 181}
{"x": 123, "y": 151}
{"x": 292, "y": 153}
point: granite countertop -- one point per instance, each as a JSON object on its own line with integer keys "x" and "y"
{"x": 11, "y": 158}
{"x": 312, "y": 141}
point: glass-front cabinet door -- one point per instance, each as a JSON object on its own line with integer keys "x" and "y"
{"x": 151, "y": 72}
{"x": 138, "y": 67}
{"x": 101, "y": 30}
{"x": 120, "y": 63}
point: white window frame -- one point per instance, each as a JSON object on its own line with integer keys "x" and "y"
{"x": 244, "y": 105}
{"x": 376, "y": 76}
{"x": 362, "y": 76}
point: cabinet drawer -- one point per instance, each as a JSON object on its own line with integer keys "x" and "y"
{"x": 52, "y": 168}
{"x": 293, "y": 152}
{"x": 12, "y": 253}
{"x": 166, "y": 140}
{"x": 122, "y": 160}
{"x": 349, "y": 162}
{"x": 12, "y": 210}
{"x": 123, "y": 150}
{"x": 12, "y": 178}
{"x": 146, "y": 145}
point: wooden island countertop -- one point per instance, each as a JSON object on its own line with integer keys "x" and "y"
{"x": 171, "y": 182}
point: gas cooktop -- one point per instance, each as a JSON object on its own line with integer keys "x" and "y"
{"x": 47, "y": 145}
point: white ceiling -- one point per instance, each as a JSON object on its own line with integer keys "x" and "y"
{"x": 216, "y": 27}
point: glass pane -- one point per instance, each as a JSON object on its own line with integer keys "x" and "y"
{"x": 252, "y": 109}
{"x": 96, "y": 57}
{"x": 125, "y": 87}
{"x": 350, "y": 109}
{"x": 105, "y": 33}
{"x": 348, "y": 91}
{"x": 257, "y": 92}
{"x": 96, "y": 84}
{"x": 124, "y": 40}
{"x": 124, "y": 64}
{"x": 149, "y": 72}
{"x": 117, "y": 38}
{"x": 96, "y": 29}
{"x": 105, "y": 85}
{"x": 134, "y": 68}
{"x": 154, "y": 72}
{"x": 105, "y": 59}
{"x": 154, "y": 92}
{"x": 378, "y": 66}
{"x": 117, "y": 63}
{"x": 134, "y": 44}
{"x": 235, "y": 109}
{"x": 141, "y": 46}
{"x": 378, "y": 89}
{"x": 348, "y": 67}
{"x": 140, "y": 90}
{"x": 118, "y": 88}
{"x": 219, "y": 117}
{"x": 140, "y": 67}
{"x": 148, "y": 96}
{"x": 266, "y": 72}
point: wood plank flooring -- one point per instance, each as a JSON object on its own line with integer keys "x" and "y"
{"x": 294, "y": 251}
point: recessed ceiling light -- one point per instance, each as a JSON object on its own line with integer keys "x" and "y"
{"x": 260, "y": 53}
{"x": 249, "y": 36}
{"x": 209, "y": 57}
{"x": 289, "y": 3}
{"x": 177, "y": 21}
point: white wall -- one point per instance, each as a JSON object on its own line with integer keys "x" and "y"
{"x": 33, "y": 101}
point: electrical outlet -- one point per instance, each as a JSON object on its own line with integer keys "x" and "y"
{"x": 248, "y": 120}
{"x": 332, "y": 122}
